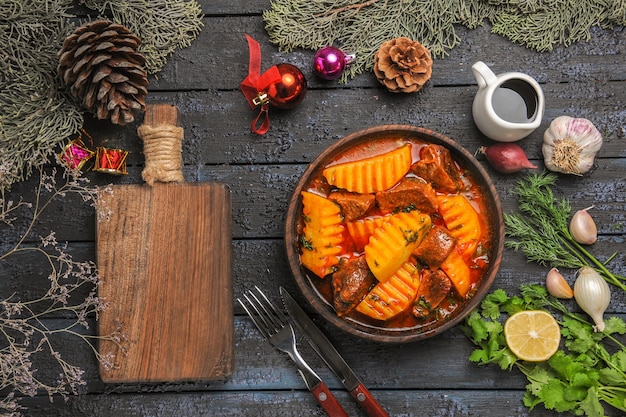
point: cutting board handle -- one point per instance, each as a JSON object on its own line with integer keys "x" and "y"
{"x": 162, "y": 138}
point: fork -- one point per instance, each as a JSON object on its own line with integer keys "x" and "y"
{"x": 274, "y": 326}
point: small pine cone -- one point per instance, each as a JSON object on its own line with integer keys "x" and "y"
{"x": 403, "y": 65}
{"x": 100, "y": 64}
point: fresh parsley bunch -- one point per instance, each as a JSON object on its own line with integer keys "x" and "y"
{"x": 588, "y": 371}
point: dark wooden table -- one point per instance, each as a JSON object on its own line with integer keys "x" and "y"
{"x": 428, "y": 378}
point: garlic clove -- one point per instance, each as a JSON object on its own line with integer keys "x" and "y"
{"x": 592, "y": 295}
{"x": 583, "y": 228}
{"x": 557, "y": 286}
{"x": 570, "y": 145}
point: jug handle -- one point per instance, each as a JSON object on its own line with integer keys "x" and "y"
{"x": 483, "y": 74}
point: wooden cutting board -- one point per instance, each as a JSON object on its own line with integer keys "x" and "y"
{"x": 165, "y": 260}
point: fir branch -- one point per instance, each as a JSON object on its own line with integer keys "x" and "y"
{"x": 360, "y": 27}
{"x": 541, "y": 25}
{"x": 36, "y": 114}
{"x": 163, "y": 26}
{"x": 342, "y": 9}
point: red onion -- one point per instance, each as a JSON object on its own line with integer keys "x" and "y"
{"x": 506, "y": 158}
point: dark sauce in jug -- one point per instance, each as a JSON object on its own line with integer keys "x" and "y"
{"x": 515, "y": 101}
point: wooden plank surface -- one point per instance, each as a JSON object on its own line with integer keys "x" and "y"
{"x": 164, "y": 256}
{"x": 433, "y": 377}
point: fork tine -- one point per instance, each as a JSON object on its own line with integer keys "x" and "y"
{"x": 259, "y": 315}
{"x": 265, "y": 314}
{"x": 278, "y": 314}
{"x": 264, "y": 331}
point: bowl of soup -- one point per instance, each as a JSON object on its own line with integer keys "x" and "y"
{"x": 394, "y": 233}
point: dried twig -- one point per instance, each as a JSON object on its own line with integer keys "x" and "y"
{"x": 26, "y": 332}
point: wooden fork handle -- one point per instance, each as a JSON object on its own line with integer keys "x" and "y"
{"x": 327, "y": 400}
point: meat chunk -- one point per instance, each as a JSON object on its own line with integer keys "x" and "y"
{"x": 435, "y": 247}
{"x": 410, "y": 193}
{"x": 353, "y": 205}
{"x": 437, "y": 167}
{"x": 433, "y": 289}
{"x": 351, "y": 282}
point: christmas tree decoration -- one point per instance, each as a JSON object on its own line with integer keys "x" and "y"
{"x": 330, "y": 62}
{"x": 290, "y": 90}
{"x": 403, "y": 65}
{"x": 100, "y": 64}
{"x": 282, "y": 86}
{"x": 111, "y": 161}
{"x": 75, "y": 154}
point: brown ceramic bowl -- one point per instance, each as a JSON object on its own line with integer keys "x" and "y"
{"x": 309, "y": 283}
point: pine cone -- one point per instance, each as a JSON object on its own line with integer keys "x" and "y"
{"x": 101, "y": 65}
{"x": 403, "y": 65}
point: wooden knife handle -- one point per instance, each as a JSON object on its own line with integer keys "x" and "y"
{"x": 327, "y": 400}
{"x": 367, "y": 402}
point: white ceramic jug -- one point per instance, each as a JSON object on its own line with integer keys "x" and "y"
{"x": 507, "y": 107}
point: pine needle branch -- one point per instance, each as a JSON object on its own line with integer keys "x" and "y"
{"x": 360, "y": 27}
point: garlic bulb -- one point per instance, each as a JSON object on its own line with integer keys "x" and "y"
{"x": 582, "y": 227}
{"x": 593, "y": 295}
{"x": 570, "y": 145}
{"x": 557, "y": 286}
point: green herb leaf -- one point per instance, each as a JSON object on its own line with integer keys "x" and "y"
{"x": 555, "y": 396}
{"x": 610, "y": 376}
{"x": 619, "y": 359}
{"x": 614, "y": 325}
{"x": 591, "y": 405}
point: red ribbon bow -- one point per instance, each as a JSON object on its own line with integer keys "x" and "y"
{"x": 254, "y": 86}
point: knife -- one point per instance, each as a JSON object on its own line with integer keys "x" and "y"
{"x": 333, "y": 359}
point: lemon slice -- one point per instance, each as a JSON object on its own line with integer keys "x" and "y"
{"x": 533, "y": 335}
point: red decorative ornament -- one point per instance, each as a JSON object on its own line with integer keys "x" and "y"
{"x": 290, "y": 90}
{"x": 282, "y": 86}
{"x": 76, "y": 154}
{"x": 330, "y": 62}
{"x": 111, "y": 161}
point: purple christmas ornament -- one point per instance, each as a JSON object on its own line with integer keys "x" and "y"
{"x": 330, "y": 62}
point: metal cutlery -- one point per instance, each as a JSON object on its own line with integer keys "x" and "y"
{"x": 274, "y": 326}
{"x": 333, "y": 359}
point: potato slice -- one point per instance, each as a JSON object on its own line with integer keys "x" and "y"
{"x": 361, "y": 230}
{"x": 323, "y": 234}
{"x": 388, "y": 299}
{"x": 462, "y": 221}
{"x": 371, "y": 175}
{"x": 391, "y": 244}
{"x": 458, "y": 271}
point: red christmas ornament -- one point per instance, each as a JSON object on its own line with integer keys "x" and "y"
{"x": 330, "y": 62}
{"x": 290, "y": 90}
{"x": 111, "y": 161}
{"x": 75, "y": 155}
{"x": 282, "y": 86}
